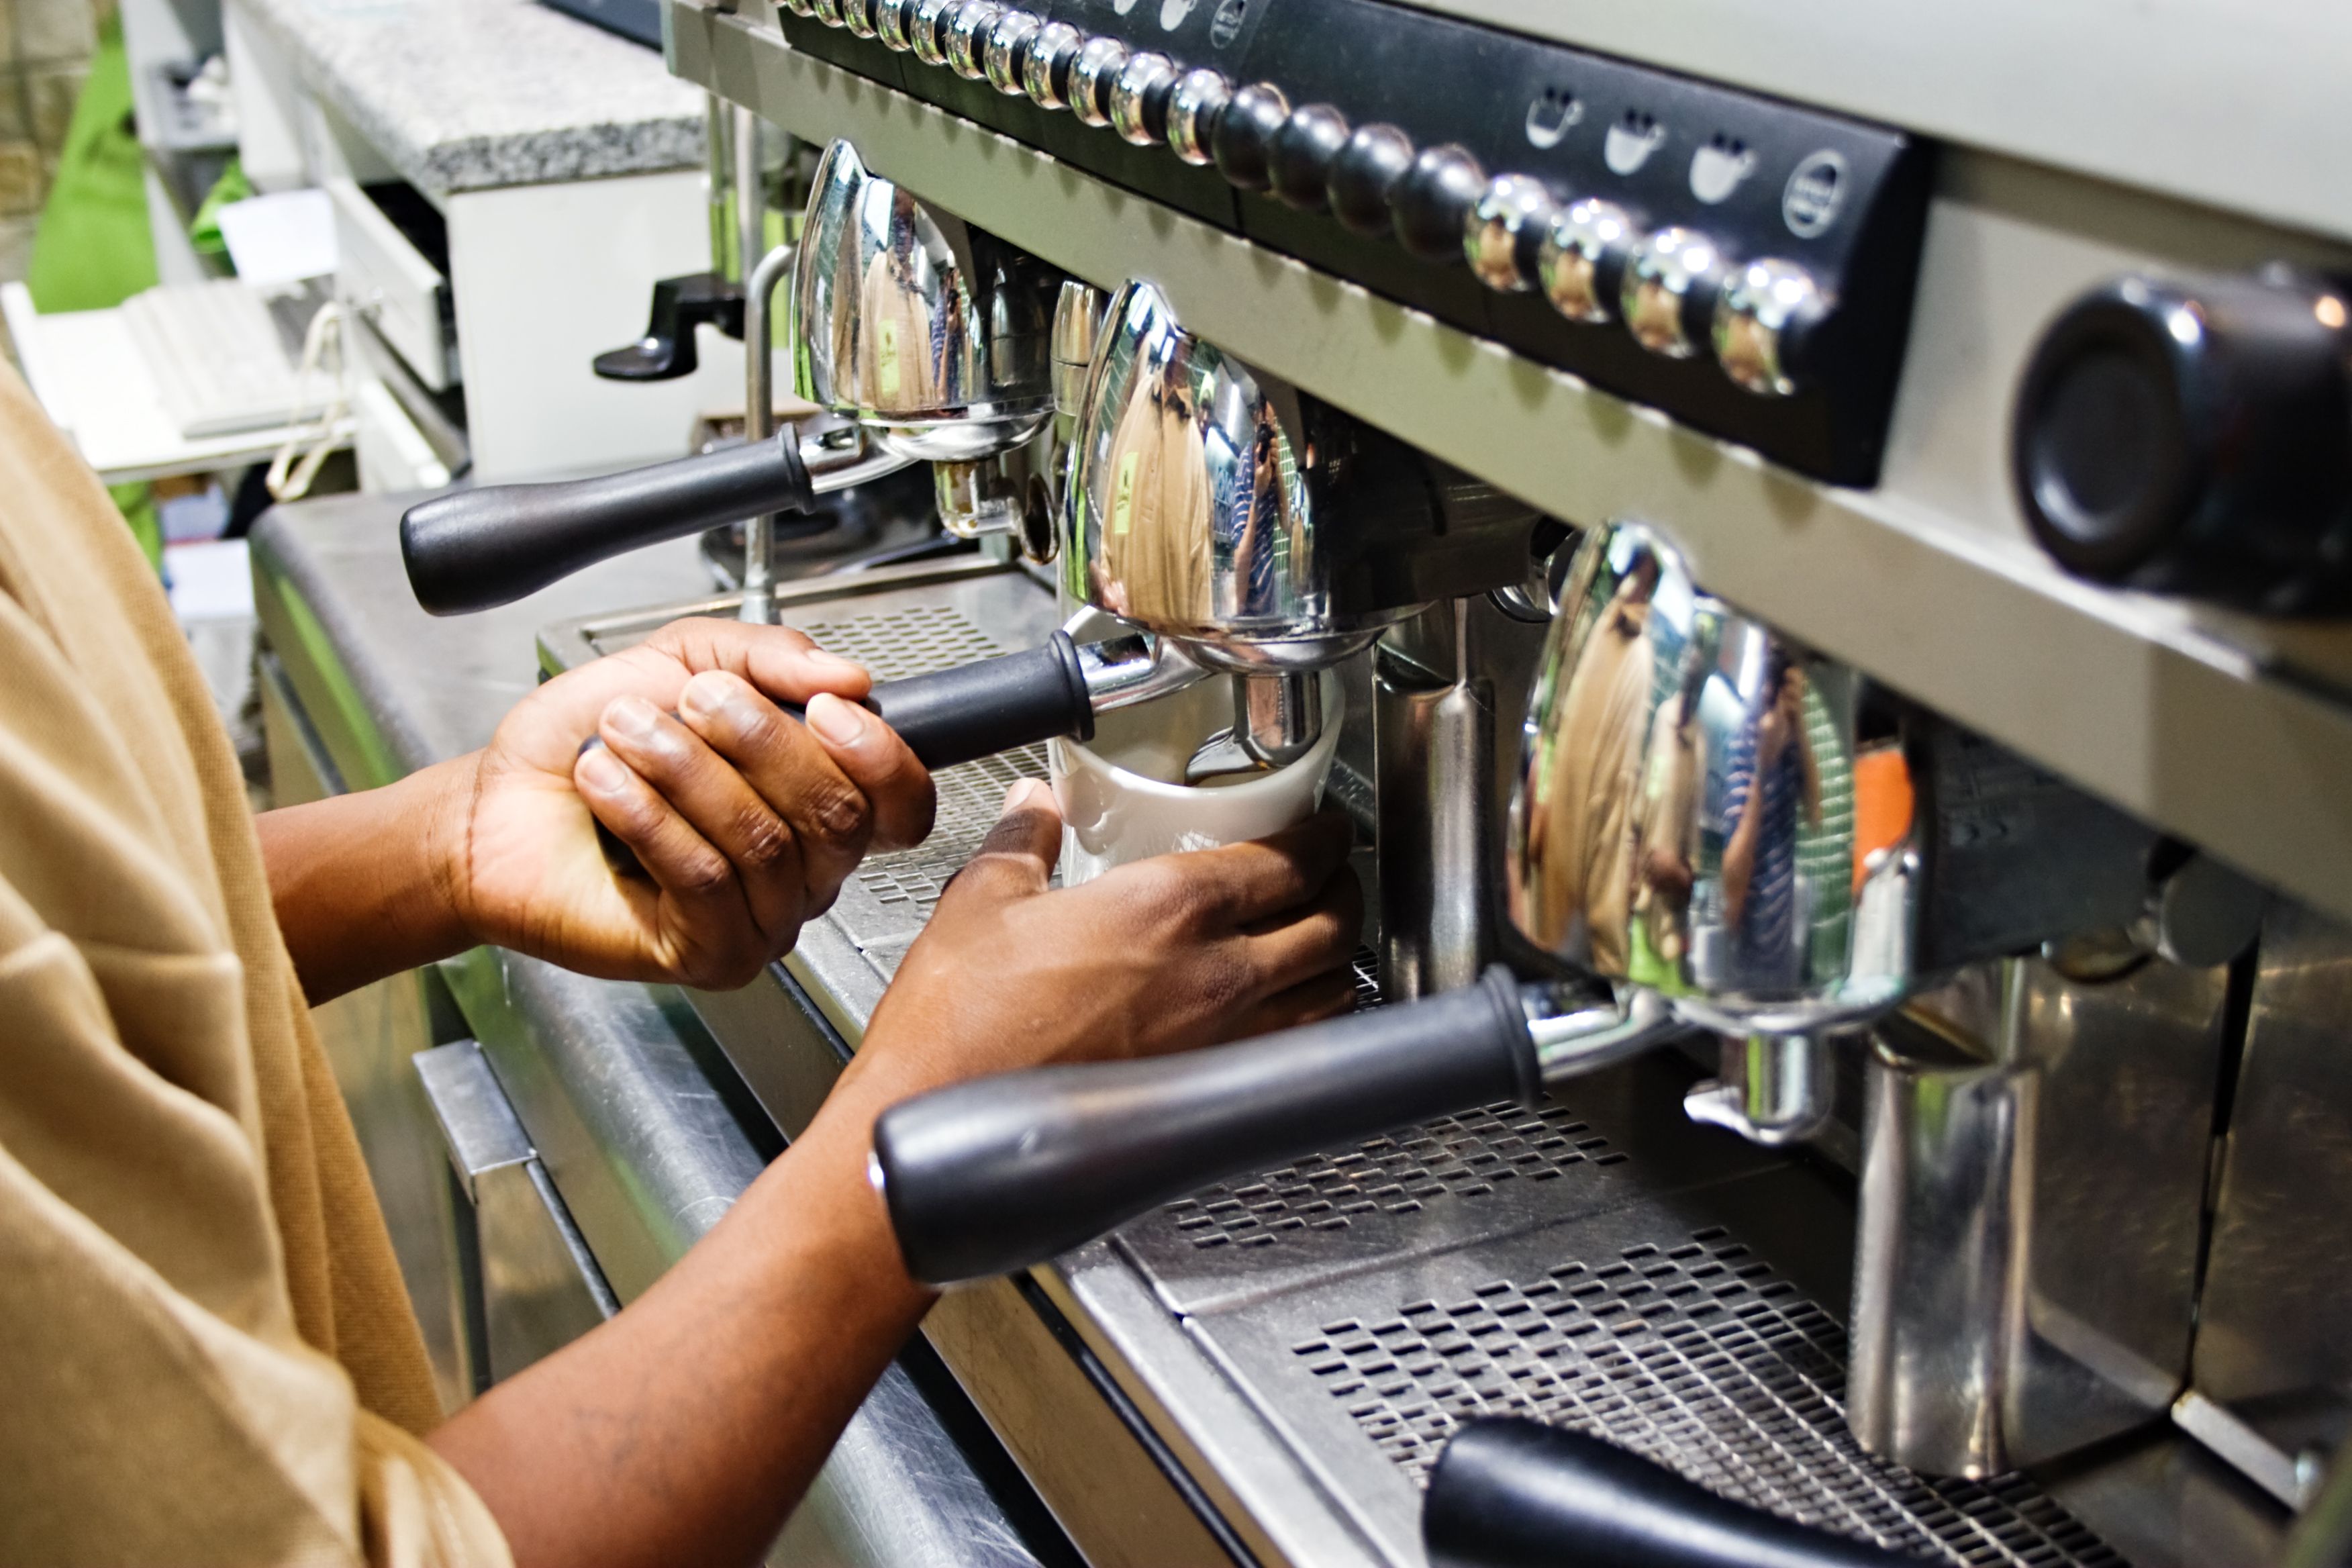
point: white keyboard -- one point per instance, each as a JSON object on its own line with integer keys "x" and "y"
{"x": 218, "y": 363}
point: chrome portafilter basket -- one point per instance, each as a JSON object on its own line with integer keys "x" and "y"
{"x": 931, "y": 334}
{"x": 1257, "y": 532}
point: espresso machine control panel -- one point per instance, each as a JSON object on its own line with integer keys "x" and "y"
{"x": 1744, "y": 265}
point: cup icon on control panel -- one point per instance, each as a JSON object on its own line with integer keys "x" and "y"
{"x": 1551, "y": 114}
{"x": 1718, "y": 168}
{"x": 1631, "y": 142}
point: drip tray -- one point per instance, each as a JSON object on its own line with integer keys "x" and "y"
{"x": 1615, "y": 1137}
{"x": 1656, "y": 1325}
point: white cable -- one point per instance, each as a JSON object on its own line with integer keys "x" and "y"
{"x": 297, "y": 463}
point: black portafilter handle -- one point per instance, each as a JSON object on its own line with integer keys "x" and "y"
{"x": 474, "y": 549}
{"x": 1003, "y": 1172}
{"x": 991, "y": 705}
{"x": 1519, "y": 1494}
{"x": 960, "y": 714}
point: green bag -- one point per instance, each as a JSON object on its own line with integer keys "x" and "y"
{"x": 92, "y": 249}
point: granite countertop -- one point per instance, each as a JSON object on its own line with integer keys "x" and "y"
{"x": 470, "y": 95}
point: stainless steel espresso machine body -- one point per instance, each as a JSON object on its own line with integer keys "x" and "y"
{"x": 1802, "y": 518}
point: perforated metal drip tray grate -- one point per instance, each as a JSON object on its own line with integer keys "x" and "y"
{"x": 890, "y": 897}
{"x": 1467, "y": 1156}
{"x": 1653, "y": 1325}
{"x": 1477, "y": 1173}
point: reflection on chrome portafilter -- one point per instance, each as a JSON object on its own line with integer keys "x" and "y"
{"x": 933, "y": 335}
{"x": 923, "y": 338}
{"x": 1714, "y": 828}
{"x": 1259, "y": 532}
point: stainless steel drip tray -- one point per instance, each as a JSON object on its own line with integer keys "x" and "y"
{"x": 1473, "y": 1177}
{"x": 1656, "y": 1323}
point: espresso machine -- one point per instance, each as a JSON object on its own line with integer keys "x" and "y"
{"x": 1833, "y": 576}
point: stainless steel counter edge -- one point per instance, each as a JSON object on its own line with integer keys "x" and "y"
{"x": 1254, "y": 1476}
{"x": 643, "y": 1145}
{"x": 2180, "y": 716}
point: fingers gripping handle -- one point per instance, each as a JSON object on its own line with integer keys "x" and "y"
{"x": 1516, "y": 1494}
{"x": 956, "y": 715}
{"x": 1000, "y": 1174}
{"x": 472, "y": 550}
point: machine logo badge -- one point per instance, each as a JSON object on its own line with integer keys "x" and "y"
{"x": 1553, "y": 113}
{"x": 1631, "y": 142}
{"x": 1718, "y": 168}
{"x": 1122, "y": 494}
{"x": 1814, "y": 195}
{"x": 1173, "y": 12}
{"x": 1226, "y": 23}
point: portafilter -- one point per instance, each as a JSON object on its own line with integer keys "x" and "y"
{"x": 924, "y": 340}
{"x": 1714, "y": 828}
{"x": 933, "y": 335}
{"x": 1261, "y": 531}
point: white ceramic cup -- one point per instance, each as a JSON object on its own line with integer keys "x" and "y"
{"x": 1122, "y": 797}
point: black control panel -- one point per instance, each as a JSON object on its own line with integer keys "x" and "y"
{"x": 1743, "y": 263}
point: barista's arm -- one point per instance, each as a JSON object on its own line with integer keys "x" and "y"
{"x": 684, "y": 1429}
{"x": 745, "y": 820}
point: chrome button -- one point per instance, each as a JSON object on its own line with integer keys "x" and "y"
{"x": 1506, "y": 225}
{"x": 1581, "y": 258}
{"x": 1200, "y": 95}
{"x": 1001, "y": 57}
{"x": 1139, "y": 96}
{"x": 927, "y": 28}
{"x": 1046, "y": 65}
{"x": 1091, "y": 74}
{"x": 967, "y": 34}
{"x": 1669, "y": 289}
{"x": 1761, "y": 317}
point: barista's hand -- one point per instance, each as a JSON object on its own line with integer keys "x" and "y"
{"x": 745, "y": 821}
{"x": 1162, "y": 955}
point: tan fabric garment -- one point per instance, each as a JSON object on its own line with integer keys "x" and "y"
{"x": 206, "y": 1352}
{"x": 1586, "y": 800}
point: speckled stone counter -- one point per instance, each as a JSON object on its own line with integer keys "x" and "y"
{"x": 470, "y": 95}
